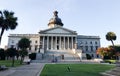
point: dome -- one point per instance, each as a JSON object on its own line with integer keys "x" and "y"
{"x": 55, "y": 19}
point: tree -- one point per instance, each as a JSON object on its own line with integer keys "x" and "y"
{"x": 7, "y": 21}
{"x": 2, "y": 54}
{"x": 23, "y": 44}
{"x": 12, "y": 52}
{"x": 106, "y": 52}
{"x": 117, "y": 50}
{"x": 110, "y": 36}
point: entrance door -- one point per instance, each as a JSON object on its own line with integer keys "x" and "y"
{"x": 62, "y": 57}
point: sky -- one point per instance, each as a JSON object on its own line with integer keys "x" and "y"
{"x": 87, "y": 17}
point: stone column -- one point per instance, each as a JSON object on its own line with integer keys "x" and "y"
{"x": 51, "y": 42}
{"x": 56, "y": 42}
{"x": 72, "y": 42}
{"x": 75, "y": 42}
{"x": 43, "y": 42}
{"x": 64, "y": 43}
{"x": 68, "y": 42}
{"x": 47, "y": 42}
{"x": 39, "y": 44}
{"x": 60, "y": 43}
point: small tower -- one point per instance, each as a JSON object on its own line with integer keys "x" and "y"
{"x": 55, "y": 21}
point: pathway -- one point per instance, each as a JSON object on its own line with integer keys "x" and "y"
{"x": 34, "y": 69}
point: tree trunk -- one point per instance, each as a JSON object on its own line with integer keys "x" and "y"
{"x": 21, "y": 60}
{"x": 112, "y": 43}
{"x": 13, "y": 60}
{"x": 1, "y": 34}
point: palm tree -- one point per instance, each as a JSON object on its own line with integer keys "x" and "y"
{"x": 23, "y": 44}
{"x": 7, "y": 21}
{"x": 110, "y": 36}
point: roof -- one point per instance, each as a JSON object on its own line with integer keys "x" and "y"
{"x": 87, "y": 37}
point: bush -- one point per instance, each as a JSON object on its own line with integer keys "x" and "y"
{"x": 110, "y": 61}
{"x": 88, "y": 56}
{"x": 106, "y": 57}
{"x": 32, "y": 56}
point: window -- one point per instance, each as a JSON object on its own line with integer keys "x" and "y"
{"x": 12, "y": 41}
{"x": 92, "y": 55}
{"x": 40, "y": 46}
{"x": 36, "y": 41}
{"x": 12, "y": 46}
{"x": 97, "y": 56}
{"x": 86, "y": 47}
{"x": 91, "y": 48}
{"x": 81, "y": 47}
{"x": 36, "y": 47}
{"x": 96, "y": 42}
{"x": 96, "y": 47}
{"x": 91, "y": 42}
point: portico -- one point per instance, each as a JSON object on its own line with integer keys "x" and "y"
{"x": 57, "y": 42}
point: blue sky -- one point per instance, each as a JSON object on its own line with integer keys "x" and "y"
{"x": 87, "y": 17}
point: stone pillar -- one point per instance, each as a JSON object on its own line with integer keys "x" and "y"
{"x": 64, "y": 43}
{"x": 68, "y": 42}
{"x": 75, "y": 42}
{"x": 43, "y": 42}
{"x": 47, "y": 42}
{"x": 60, "y": 43}
{"x": 72, "y": 42}
{"x": 51, "y": 42}
{"x": 39, "y": 44}
{"x": 56, "y": 42}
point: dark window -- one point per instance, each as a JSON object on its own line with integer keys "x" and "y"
{"x": 81, "y": 47}
{"x": 86, "y": 47}
{"x": 36, "y": 41}
{"x": 96, "y": 47}
{"x": 36, "y": 47}
{"x": 92, "y": 55}
{"x": 97, "y": 56}
{"x": 91, "y": 42}
{"x": 96, "y": 42}
{"x": 40, "y": 46}
{"x": 91, "y": 48}
{"x": 12, "y": 46}
{"x": 12, "y": 41}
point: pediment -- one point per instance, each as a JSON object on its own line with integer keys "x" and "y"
{"x": 57, "y": 30}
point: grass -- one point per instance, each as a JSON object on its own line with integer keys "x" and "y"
{"x": 76, "y": 69}
{"x": 8, "y": 63}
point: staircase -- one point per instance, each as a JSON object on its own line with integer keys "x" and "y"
{"x": 113, "y": 72}
{"x": 51, "y": 56}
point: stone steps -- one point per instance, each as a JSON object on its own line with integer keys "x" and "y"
{"x": 113, "y": 72}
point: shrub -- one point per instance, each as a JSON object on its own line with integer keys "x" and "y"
{"x": 88, "y": 56}
{"x": 110, "y": 61}
{"x": 32, "y": 56}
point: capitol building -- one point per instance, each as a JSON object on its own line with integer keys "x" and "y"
{"x": 59, "y": 42}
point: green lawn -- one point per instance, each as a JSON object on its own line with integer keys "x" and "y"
{"x": 76, "y": 69}
{"x": 9, "y": 62}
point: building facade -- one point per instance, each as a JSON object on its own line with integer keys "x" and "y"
{"x": 58, "y": 41}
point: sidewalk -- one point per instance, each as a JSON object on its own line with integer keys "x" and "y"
{"x": 34, "y": 69}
